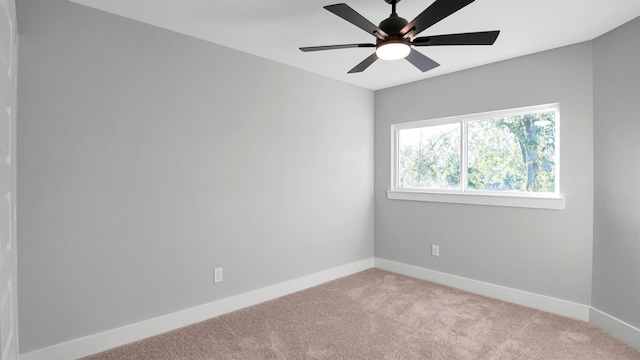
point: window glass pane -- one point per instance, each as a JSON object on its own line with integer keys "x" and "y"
{"x": 512, "y": 153}
{"x": 429, "y": 157}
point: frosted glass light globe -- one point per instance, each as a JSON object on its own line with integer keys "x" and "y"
{"x": 393, "y": 50}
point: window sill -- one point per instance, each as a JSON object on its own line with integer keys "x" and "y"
{"x": 535, "y": 202}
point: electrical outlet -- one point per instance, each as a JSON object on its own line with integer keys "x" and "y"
{"x": 435, "y": 250}
{"x": 217, "y": 275}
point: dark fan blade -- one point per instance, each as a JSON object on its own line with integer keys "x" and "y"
{"x": 421, "y": 61}
{"x": 347, "y": 13}
{"x": 434, "y": 13}
{"x": 476, "y": 38}
{"x": 364, "y": 64}
{"x": 332, "y": 47}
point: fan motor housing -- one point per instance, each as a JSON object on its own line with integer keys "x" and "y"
{"x": 393, "y": 24}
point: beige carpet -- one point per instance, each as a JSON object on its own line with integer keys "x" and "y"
{"x": 379, "y": 315}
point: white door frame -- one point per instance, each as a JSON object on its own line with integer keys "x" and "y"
{"x": 8, "y": 257}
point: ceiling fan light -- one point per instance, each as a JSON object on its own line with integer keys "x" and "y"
{"x": 393, "y": 50}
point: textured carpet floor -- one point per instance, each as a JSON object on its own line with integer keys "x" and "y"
{"x": 379, "y": 315}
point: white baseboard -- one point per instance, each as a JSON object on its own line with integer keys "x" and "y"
{"x": 615, "y": 327}
{"x": 524, "y": 298}
{"x": 112, "y": 338}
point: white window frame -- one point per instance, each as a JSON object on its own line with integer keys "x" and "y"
{"x": 477, "y": 197}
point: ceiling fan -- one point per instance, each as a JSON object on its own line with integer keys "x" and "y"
{"x": 395, "y": 35}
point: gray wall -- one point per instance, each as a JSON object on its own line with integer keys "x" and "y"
{"x": 547, "y": 252}
{"x": 148, "y": 158}
{"x": 616, "y": 261}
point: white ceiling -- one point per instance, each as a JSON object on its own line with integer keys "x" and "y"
{"x": 275, "y": 29}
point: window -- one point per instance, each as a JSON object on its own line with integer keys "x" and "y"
{"x": 507, "y": 158}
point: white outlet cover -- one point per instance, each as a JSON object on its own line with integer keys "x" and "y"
{"x": 217, "y": 275}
